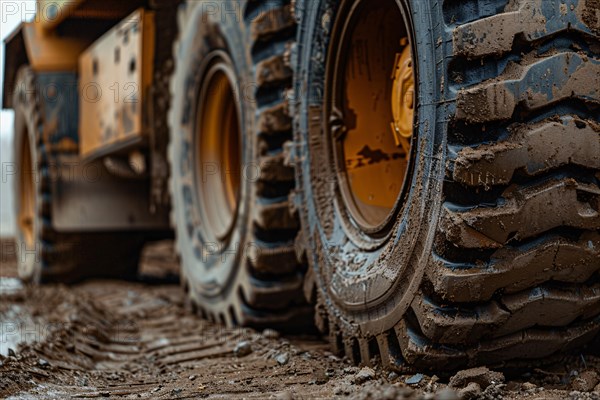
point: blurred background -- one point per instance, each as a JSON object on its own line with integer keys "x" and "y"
{"x": 8, "y": 22}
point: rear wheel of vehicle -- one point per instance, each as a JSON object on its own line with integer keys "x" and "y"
{"x": 235, "y": 231}
{"x": 448, "y": 170}
{"x": 43, "y": 253}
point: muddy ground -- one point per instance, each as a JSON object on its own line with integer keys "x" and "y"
{"x": 109, "y": 339}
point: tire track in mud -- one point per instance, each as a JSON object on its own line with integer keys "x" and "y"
{"x": 108, "y": 339}
{"x": 116, "y": 339}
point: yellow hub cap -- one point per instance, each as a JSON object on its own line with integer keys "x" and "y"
{"x": 372, "y": 114}
{"x": 218, "y": 151}
{"x": 26, "y": 217}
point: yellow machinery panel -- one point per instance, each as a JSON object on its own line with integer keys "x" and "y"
{"x": 115, "y": 74}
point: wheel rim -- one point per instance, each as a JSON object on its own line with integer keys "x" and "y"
{"x": 218, "y": 149}
{"x": 26, "y": 216}
{"x": 372, "y": 115}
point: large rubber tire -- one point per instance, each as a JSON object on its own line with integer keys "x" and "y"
{"x": 54, "y": 256}
{"x": 495, "y": 255}
{"x": 254, "y": 278}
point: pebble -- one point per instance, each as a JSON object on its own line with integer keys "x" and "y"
{"x": 43, "y": 363}
{"x": 482, "y": 376}
{"x": 340, "y": 390}
{"x": 472, "y": 391}
{"x": 11, "y": 352}
{"x": 242, "y": 349}
{"x": 283, "y": 358}
{"x": 319, "y": 376}
{"x": 415, "y": 379}
{"x": 270, "y": 334}
{"x": 528, "y": 386}
{"x": 365, "y": 374}
{"x": 392, "y": 376}
{"x": 192, "y": 377}
{"x": 350, "y": 370}
{"x": 585, "y": 381}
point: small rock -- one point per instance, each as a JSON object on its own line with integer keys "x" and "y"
{"x": 283, "y": 358}
{"x": 528, "y": 386}
{"x": 192, "y": 377}
{"x": 365, "y": 374}
{"x": 270, "y": 334}
{"x": 482, "y": 376}
{"x": 392, "y": 376}
{"x": 242, "y": 349}
{"x": 113, "y": 377}
{"x": 350, "y": 370}
{"x": 319, "y": 376}
{"x": 447, "y": 394}
{"x": 340, "y": 390}
{"x": 11, "y": 352}
{"x": 43, "y": 363}
{"x": 415, "y": 379}
{"x": 597, "y": 388}
{"x": 472, "y": 391}
{"x": 157, "y": 389}
{"x": 176, "y": 391}
{"x": 585, "y": 381}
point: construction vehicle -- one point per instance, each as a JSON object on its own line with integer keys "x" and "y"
{"x": 424, "y": 175}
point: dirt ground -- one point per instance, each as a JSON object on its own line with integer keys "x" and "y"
{"x": 109, "y": 339}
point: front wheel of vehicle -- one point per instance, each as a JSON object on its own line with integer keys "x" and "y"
{"x": 449, "y": 198}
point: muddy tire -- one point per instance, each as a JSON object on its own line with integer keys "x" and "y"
{"x": 43, "y": 253}
{"x": 235, "y": 234}
{"x": 492, "y": 253}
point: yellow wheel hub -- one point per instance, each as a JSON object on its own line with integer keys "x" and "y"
{"x": 403, "y": 99}
{"x": 372, "y": 115}
{"x": 218, "y": 146}
{"x": 27, "y": 207}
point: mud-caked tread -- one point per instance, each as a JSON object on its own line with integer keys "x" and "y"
{"x": 467, "y": 324}
{"x": 512, "y": 269}
{"x": 64, "y": 257}
{"x": 530, "y": 149}
{"x": 563, "y": 203}
{"x": 528, "y": 19}
{"x": 273, "y": 259}
{"x": 271, "y": 24}
{"x": 534, "y": 343}
{"x": 536, "y": 84}
{"x": 514, "y": 273}
{"x": 269, "y": 292}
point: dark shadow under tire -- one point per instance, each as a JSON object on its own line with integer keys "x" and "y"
{"x": 493, "y": 255}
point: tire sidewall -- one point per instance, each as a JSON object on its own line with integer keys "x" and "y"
{"x": 404, "y": 252}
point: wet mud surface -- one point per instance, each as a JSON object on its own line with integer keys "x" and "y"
{"x": 111, "y": 339}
